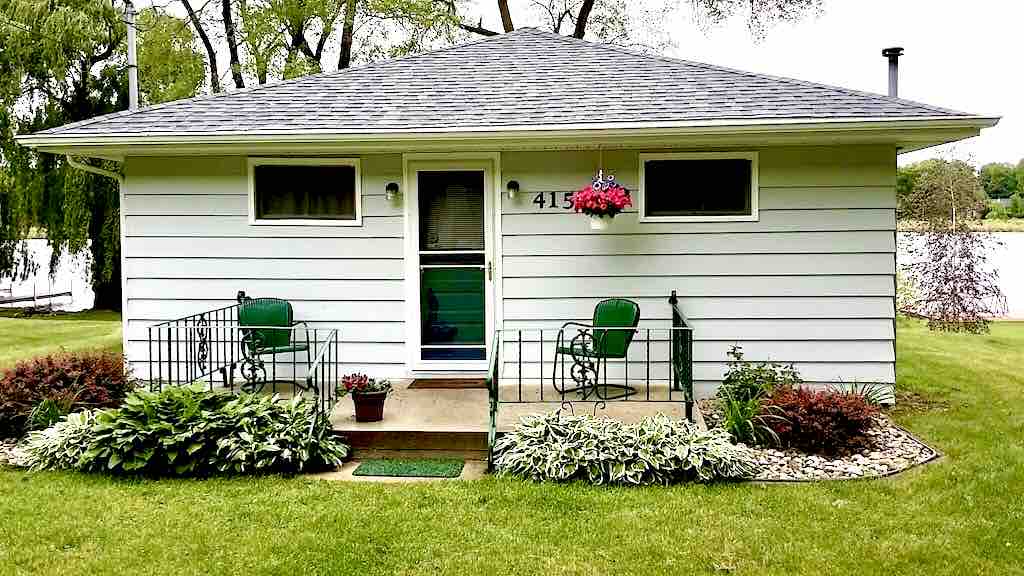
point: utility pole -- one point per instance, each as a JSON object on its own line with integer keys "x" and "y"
{"x": 133, "y": 66}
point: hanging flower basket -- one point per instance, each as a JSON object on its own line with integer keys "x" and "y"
{"x": 601, "y": 201}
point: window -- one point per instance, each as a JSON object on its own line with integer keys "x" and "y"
{"x": 698, "y": 187}
{"x": 317, "y": 191}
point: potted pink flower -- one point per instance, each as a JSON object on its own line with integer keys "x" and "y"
{"x": 601, "y": 201}
{"x": 368, "y": 395}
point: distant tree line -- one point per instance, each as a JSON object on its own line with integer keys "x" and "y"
{"x": 998, "y": 188}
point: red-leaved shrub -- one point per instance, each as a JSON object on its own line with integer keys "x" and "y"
{"x": 93, "y": 379}
{"x": 818, "y": 421}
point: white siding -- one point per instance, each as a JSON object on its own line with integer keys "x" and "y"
{"x": 811, "y": 282}
{"x": 189, "y": 248}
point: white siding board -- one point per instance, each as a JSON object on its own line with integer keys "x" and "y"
{"x": 265, "y": 247}
{"x": 847, "y": 372}
{"x": 827, "y": 197}
{"x": 715, "y": 351}
{"x": 739, "y": 308}
{"x": 725, "y": 243}
{"x": 238, "y": 226}
{"x": 327, "y": 311}
{"x": 683, "y": 265}
{"x": 563, "y": 222}
{"x": 286, "y": 288}
{"x": 747, "y": 330}
{"x": 295, "y": 269}
{"x": 234, "y": 204}
{"x": 697, "y": 286}
{"x": 389, "y": 332}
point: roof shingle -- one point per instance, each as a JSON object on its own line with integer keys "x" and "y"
{"x": 524, "y": 78}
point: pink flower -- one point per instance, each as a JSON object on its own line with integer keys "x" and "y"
{"x": 607, "y": 202}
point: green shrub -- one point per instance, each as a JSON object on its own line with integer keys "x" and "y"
{"x": 55, "y": 385}
{"x": 748, "y": 380}
{"x": 191, "y": 431}
{"x": 656, "y": 450}
{"x": 996, "y": 211}
{"x": 745, "y": 416}
{"x": 747, "y": 420}
{"x": 1016, "y": 209}
{"x": 61, "y": 446}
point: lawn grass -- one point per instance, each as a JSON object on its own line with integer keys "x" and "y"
{"x": 417, "y": 467}
{"x": 961, "y": 515}
{"x": 23, "y": 338}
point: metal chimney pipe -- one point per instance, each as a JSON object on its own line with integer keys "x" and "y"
{"x": 893, "y": 54}
{"x": 133, "y": 66}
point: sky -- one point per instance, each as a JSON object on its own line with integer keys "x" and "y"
{"x": 968, "y": 56}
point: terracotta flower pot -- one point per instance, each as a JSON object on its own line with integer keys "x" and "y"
{"x": 369, "y": 406}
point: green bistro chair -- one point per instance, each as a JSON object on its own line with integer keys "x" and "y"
{"x": 609, "y": 337}
{"x": 267, "y": 328}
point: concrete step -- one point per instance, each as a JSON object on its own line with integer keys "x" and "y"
{"x": 417, "y": 444}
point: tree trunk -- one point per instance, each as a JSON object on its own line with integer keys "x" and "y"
{"x": 105, "y": 243}
{"x": 581, "y": 20}
{"x": 229, "y": 33}
{"x": 506, "y": 16}
{"x": 347, "y": 32}
{"x": 211, "y": 55}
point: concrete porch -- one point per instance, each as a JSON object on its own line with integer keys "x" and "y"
{"x": 454, "y": 422}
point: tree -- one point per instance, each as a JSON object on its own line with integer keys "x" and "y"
{"x": 637, "y": 24}
{"x": 957, "y": 289}
{"x": 999, "y": 180}
{"x": 170, "y": 67}
{"x": 60, "y": 61}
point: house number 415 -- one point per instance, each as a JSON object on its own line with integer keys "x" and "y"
{"x": 550, "y": 200}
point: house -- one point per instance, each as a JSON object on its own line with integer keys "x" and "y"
{"x": 418, "y": 205}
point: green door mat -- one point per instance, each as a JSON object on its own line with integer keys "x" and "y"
{"x": 421, "y": 468}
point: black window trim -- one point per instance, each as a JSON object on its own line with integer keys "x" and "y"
{"x": 752, "y": 156}
{"x": 311, "y": 161}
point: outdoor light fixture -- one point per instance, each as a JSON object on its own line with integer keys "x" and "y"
{"x": 513, "y": 189}
{"x": 391, "y": 191}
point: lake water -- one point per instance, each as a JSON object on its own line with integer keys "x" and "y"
{"x": 72, "y": 276}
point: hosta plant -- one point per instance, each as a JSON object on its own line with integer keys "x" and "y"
{"x": 61, "y": 446}
{"x": 190, "y": 431}
{"x": 657, "y": 450}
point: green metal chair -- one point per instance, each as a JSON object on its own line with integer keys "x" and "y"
{"x": 608, "y": 337}
{"x": 267, "y": 327}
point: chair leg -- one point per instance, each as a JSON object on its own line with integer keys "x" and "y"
{"x": 627, "y": 390}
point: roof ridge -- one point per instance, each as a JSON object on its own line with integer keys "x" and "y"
{"x": 785, "y": 79}
{"x": 289, "y": 81}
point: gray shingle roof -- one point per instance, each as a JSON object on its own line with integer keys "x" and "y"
{"x": 524, "y": 78}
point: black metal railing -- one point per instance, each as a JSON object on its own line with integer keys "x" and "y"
{"x": 212, "y": 347}
{"x": 682, "y": 354}
{"x": 575, "y": 364}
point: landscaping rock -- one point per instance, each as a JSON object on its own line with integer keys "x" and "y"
{"x": 887, "y": 449}
{"x": 7, "y": 449}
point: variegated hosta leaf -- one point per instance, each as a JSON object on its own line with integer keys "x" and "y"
{"x": 656, "y": 450}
